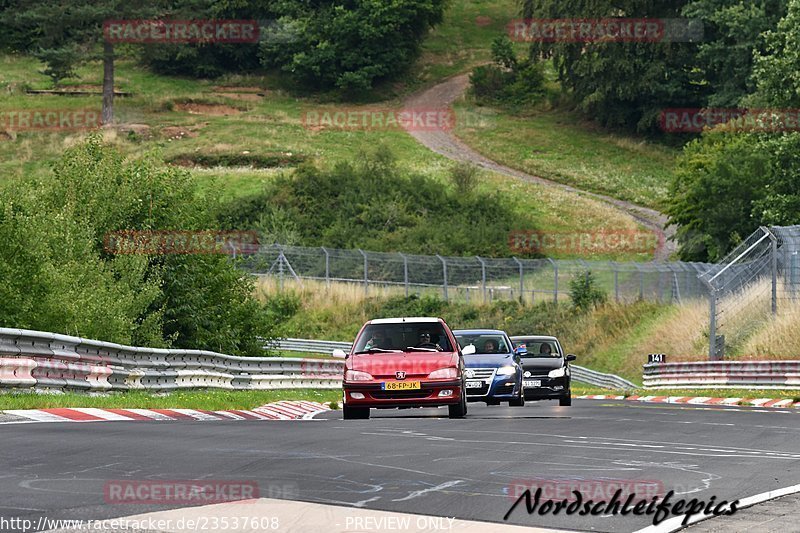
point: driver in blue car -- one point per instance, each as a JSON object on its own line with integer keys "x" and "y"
{"x": 490, "y": 346}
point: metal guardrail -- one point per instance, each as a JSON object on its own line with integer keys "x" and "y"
{"x": 723, "y": 374}
{"x": 35, "y": 359}
{"x": 579, "y": 373}
{"x": 598, "y": 379}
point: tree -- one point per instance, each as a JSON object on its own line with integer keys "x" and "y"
{"x": 777, "y": 69}
{"x": 349, "y": 45}
{"x": 621, "y": 84}
{"x": 732, "y": 35}
{"x": 65, "y": 35}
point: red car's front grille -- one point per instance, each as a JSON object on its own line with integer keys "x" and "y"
{"x": 401, "y": 394}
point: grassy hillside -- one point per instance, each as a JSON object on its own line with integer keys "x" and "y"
{"x": 564, "y": 147}
{"x": 241, "y": 117}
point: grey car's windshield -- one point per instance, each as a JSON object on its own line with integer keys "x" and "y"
{"x": 379, "y": 338}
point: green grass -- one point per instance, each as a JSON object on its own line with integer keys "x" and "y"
{"x": 463, "y": 40}
{"x": 211, "y": 400}
{"x": 564, "y": 147}
{"x": 580, "y": 389}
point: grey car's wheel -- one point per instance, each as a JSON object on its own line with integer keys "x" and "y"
{"x": 565, "y": 401}
{"x": 519, "y": 402}
{"x": 355, "y": 413}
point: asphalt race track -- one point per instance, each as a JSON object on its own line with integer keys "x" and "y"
{"x": 414, "y": 461}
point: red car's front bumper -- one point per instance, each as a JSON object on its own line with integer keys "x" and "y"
{"x": 428, "y": 395}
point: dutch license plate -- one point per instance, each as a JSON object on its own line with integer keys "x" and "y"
{"x": 474, "y": 384}
{"x": 532, "y": 383}
{"x": 400, "y": 385}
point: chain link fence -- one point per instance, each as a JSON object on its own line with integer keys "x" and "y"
{"x": 477, "y": 279}
{"x": 747, "y": 288}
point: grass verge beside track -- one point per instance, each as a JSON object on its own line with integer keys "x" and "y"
{"x": 208, "y": 400}
{"x": 789, "y": 394}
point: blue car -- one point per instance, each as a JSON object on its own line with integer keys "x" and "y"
{"x": 493, "y": 372}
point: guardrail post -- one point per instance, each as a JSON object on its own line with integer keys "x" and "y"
{"x": 327, "y": 267}
{"x": 366, "y": 272}
{"x": 444, "y": 273}
{"x": 521, "y": 281}
{"x": 483, "y": 276}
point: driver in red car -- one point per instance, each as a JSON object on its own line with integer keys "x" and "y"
{"x": 425, "y": 341}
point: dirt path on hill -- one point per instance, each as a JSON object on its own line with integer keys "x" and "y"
{"x": 447, "y": 144}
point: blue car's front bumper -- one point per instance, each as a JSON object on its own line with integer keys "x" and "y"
{"x": 495, "y": 388}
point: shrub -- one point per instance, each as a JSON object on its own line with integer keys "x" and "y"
{"x": 584, "y": 292}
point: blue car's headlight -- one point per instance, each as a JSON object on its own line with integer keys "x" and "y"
{"x": 506, "y": 371}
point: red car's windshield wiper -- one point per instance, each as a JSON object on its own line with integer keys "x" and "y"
{"x": 377, "y": 350}
{"x": 418, "y": 349}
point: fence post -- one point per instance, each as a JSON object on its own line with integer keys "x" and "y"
{"x": 616, "y": 280}
{"x": 280, "y": 267}
{"x": 483, "y": 277}
{"x": 774, "y": 252}
{"x": 641, "y": 281}
{"x": 327, "y": 267}
{"x": 521, "y": 281}
{"x": 555, "y": 280}
{"x": 658, "y": 282}
{"x": 366, "y": 272}
{"x": 405, "y": 271}
{"x": 444, "y": 273}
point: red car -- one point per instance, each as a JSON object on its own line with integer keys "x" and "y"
{"x": 403, "y": 362}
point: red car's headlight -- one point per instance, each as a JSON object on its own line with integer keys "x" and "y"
{"x": 355, "y": 375}
{"x": 444, "y": 373}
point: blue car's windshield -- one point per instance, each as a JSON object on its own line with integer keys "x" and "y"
{"x": 485, "y": 344}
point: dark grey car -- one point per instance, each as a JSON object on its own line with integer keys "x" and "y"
{"x": 546, "y": 372}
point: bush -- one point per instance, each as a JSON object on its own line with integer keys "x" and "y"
{"x": 508, "y": 81}
{"x": 465, "y": 177}
{"x": 58, "y": 277}
{"x": 373, "y": 204}
{"x": 584, "y": 292}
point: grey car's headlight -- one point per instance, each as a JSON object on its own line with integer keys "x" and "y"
{"x": 557, "y": 373}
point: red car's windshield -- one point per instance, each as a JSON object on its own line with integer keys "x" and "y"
{"x": 402, "y": 336}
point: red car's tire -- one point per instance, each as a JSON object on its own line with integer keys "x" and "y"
{"x": 355, "y": 413}
{"x": 459, "y": 410}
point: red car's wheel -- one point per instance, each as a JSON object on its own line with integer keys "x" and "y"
{"x": 355, "y": 413}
